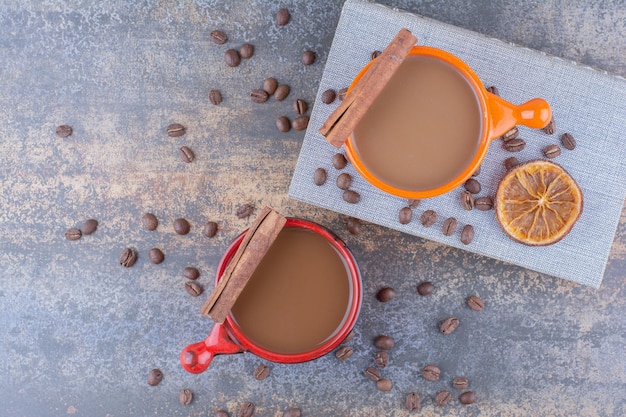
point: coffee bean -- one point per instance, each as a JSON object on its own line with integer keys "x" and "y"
{"x": 246, "y": 51}
{"x": 282, "y": 91}
{"x": 552, "y": 151}
{"x": 215, "y": 97}
{"x": 210, "y": 229}
{"x": 293, "y": 412}
{"x": 511, "y": 134}
{"x": 477, "y": 172}
{"x": 176, "y": 130}
{"x": 381, "y": 359}
{"x": 428, "y": 218}
{"x": 193, "y": 289}
{"x": 467, "y": 398}
{"x": 283, "y": 124}
{"x": 443, "y": 397}
{"x": 341, "y": 94}
{"x": 245, "y": 211}
{"x": 412, "y": 401}
{"x": 494, "y": 90}
{"x": 89, "y": 226}
{"x": 300, "y": 122}
{"x": 344, "y": 352}
{"x": 449, "y": 325}
{"x": 467, "y": 200}
{"x": 282, "y": 17}
{"x": 339, "y": 161}
{"x": 181, "y": 226}
{"x": 449, "y": 226}
{"x": 460, "y": 382}
{"x": 431, "y": 373}
{"x": 231, "y": 57}
{"x": 269, "y": 85}
{"x": 568, "y": 141}
{"x": 472, "y": 185}
{"x": 413, "y": 204}
{"x": 300, "y": 106}
{"x": 348, "y": 337}
{"x": 467, "y": 234}
{"x": 384, "y": 385}
{"x": 511, "y": 162}
{"x": 73, "y": 234}
{"x": 64, "y": 131}
{"x": 373, "y": 374}
{"x": 328, "y": 96}
{"x": 344, "y": 181}
{"x": 259, "y": 96}
{"x": 149, "y": 221}
{"x": 375, "y": 55}
{"x": 308, "y": 57}
{"x": 405, "y": 215}
{"x": 218, "y": 37}
{"x": 354, "y": 226}
{"x": 185, "y": 396}
{"x": 319, "y": 176}
{"x": 155, "y": 376}
{"x": 475, "y": 303}
{"x": 261, "y": 372}
{"x": 385, "y": 294}
{"x": 128, "y": 257}
{"x": 246, "y": 410}
{"x": 384, "y": 342}
{"x": 425, "y": 288}
{"x": 221, "y": 413}
{"x": 186, "y": 155}
{"x": 156, "y": 256}
{"x": 515, "y": 145}
{"x": 191, "y": 273}
{"x": 550, "y": 127}
{"x": 484, "y": 203}
{"x": 352, "y": 197}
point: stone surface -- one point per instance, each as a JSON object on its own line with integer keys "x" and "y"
{"x": 80, "y": 333}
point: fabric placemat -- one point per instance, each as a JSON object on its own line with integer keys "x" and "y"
{"x": 589, "y": 104}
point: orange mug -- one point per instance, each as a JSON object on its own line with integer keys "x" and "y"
{"x": 497, "y": 116}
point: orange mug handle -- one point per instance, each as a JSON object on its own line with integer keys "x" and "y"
{"x": 197, "y": 357}
{"x": 535, "y": 113}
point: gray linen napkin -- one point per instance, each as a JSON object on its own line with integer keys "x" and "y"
{"x": 589, "y": 104}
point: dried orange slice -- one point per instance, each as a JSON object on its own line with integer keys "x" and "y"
{"x": 537, "y": 203}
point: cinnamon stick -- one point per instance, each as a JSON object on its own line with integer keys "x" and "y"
{"x": 249, "y": 254}
{"x": 341, "y": 122}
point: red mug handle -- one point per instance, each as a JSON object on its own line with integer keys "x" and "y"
{"x": 196, "y": 357}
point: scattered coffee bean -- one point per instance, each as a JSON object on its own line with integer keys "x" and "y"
{"x": 510, "y": 162}
{"x": 550, "y": 127}
{"x": 552, "y": 151}
{"x": 385, "y": 294}
{"x": 194, "y": 289}
{"x": 511, "y": 134}
{"x": 64, "y": 131}
{"x": 186, "y": 155}
{"x": 449, "y": 226}
{"x": 282, "y": 91}
{"x": 128, "y": 257}
{"x": 246, "y": 51}
{"x": 341, "y": 94}
{"x": 293, "y": 412}
{"x": 467, "y": 234}
{"x": 354, "y": 226}
{"x": 155, "y": 376}
{"x": 319, "y": 176}
{"x": 349, "y": 336}
{"x": 261, "y": 372}
{"x": 352, "y": 197}
{"x": 308, "y": 57}
{"x": 231, "y": 57}
{"x": 343, "y": 352}
{"x": 431, "y": 373}
{"x": 221, "y": 413}
{"x": 259, "y": 96}
{"x": 384, "y": 342}
{"x": 373, "y": 374}
{"x": 282, "y": 17}
{"x": 494, "y": 90}
{"x": 472, "y": 185}
{"x": 412, "y": 402}
{"x": 428, "y": 218}
{"x": 245, "y": 211}
{"x": 149, "y": 221}
{"x": 515, "y": 145}
{"x": 218, "y": 37}
{"x": 460, "y": 382}
{"x": 413, "y": 204}
{"x": 384, "y": 384}
{"x": 269, "y": 85}
{"x": 176, "y": 130}
{"x": 381, "y": 359}
{"x": 375, "y": 54}
{"x": 215, "y": 97}
{"x": 339, "y": 161}
{"x": 568, "y": 141}
{"x": 191, "y": 273}
{"x": 283, "y": 124}
{"x": 475, "y": 303}
{"x": 467, "y": 200}
{"x": 443, "y": 397}
{"x": 405, "y": 215}
{"x": 328, "y": 96}
{"x": 449, "y": 325}
{"x": 156, "y": 256}
{"x": 484, "y": 203}
{"x": 467, "y": 398}
{"x": 425, "y": 288}
{"x": 210, "y": 229}
{"x": 300, "y": 122}
{"x": 477, "y": 172}
{"x": 89, "y": 226}
{"x": 181, "y": 226}
{"x": 246, "y": 410}
{"x": 185, "y": 397}
{"x": 300, "y": 106}
{"x": 73, "y": 234}
{"x": 344, "y": 181}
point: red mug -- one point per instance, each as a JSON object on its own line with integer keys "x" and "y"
{"x": 227, "y": 337}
